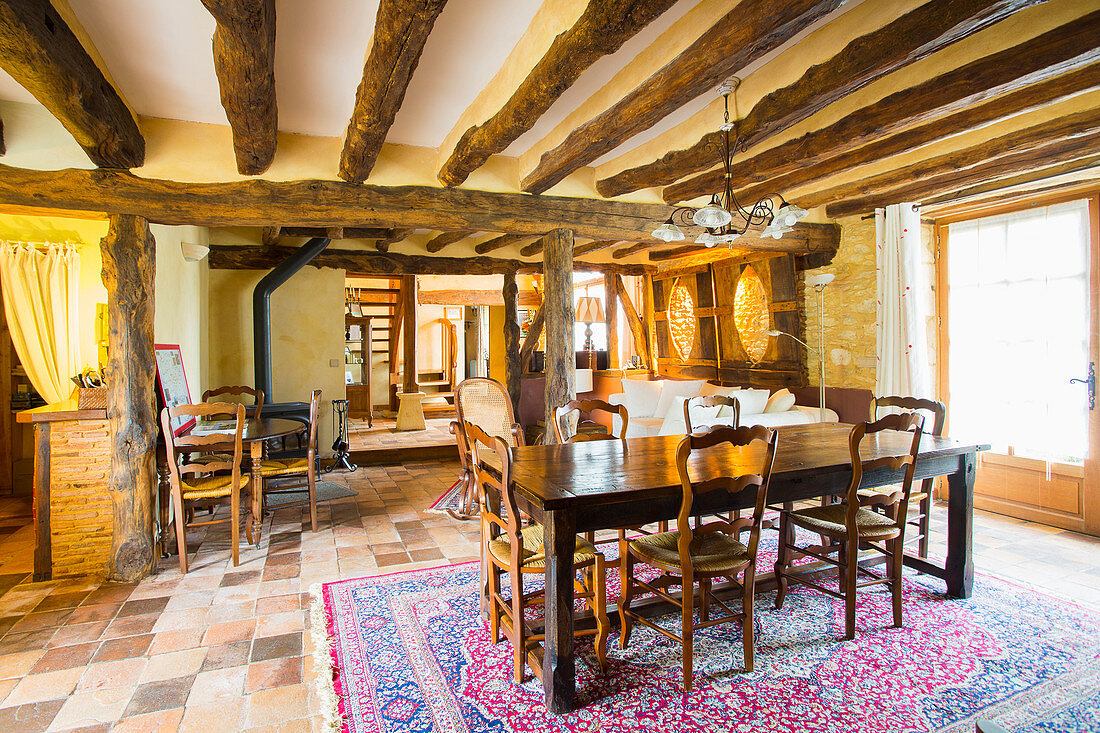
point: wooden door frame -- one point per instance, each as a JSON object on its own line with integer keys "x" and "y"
{"x": 1088, "y": 521}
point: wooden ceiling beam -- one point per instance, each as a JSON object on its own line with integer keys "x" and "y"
{"x": 503, "y": 240}
{"x": 633, "y": 249}
{"x": 602, "y": 28}
{"x": 244, "y": 60}
{"x": 401, "y": 29}
{"x": 747, "y": 32}
{"x": 1025, "y": 77}
{"x": 912, "y": 37}
{"x": 41, "y": 52}
{"x": 379, "y": 264}
{"x": 446, "y": 239}
{"x": 535, "y": 248}
{"x": 256, "y": 203}
{"x": 3, "y": 148}
{"x": 805, "y": 238}
{"x": 1066, "y": 176}
{"x": 593, "y": 246}
{"x": 336, "y": 232}
{"x": 394, "y": 236}
{"x": 997, "y": 159}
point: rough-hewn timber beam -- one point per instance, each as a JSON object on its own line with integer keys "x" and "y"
{"x": 1034, "y": 73}
{"x": 914, "y": 36}
{"x": 602, "y": 28}
{"x": 401, "y": 28}
{"x": 513, "y": 376}
{"x": 593, "y": 246}
{"x": 3, "y": 148}
{"x": 244, "y": 60}
{"x": 129, "y": 269}
{"x": 560, "y": 363}
{"x": 390, "y": 264}
{"x": 1026, "y": 183}
{"x": 747, "y": 32}
{"x": 336, "y": 232}
{"x": 410, "y": 377}
{"x": 41, "y": 52}
{"x": 533, "y": 249}
{"x": 633, "y": 249}
{"x": 496, "y": 243}
{"x": 475, "y": 297}
{"x": 534, "y": 333}
{"x": 446, "y": 239}
{"x": 256, "y": 203}
{"x": 939, "y": 176}
{"x": 637, "y": 328}
{"x": 270, "y": 235}
{"x": 394, "y": 236}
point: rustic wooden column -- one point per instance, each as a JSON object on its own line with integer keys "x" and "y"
{"x": 408, "y": 325}
{"x": 129, "y": 267}
{"x": 650, "y": 324}
{"x": 512, "y": 372}
{"x": 557, "y": 306}
{"x": 611, "y": 320}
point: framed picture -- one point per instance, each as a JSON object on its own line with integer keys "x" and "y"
{"x": 172, "y": 383}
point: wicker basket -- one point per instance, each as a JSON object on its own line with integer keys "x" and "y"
{"x": 91, "y": 398}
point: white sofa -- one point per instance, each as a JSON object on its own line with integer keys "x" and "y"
{"x": 656, "y": 407}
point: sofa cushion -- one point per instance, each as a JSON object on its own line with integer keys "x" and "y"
{"x": 640, "y": 397}
{"x": 674, "y": 388}
{"x": 753, "y": 401}
{"x": 673, "y": 423}
{"x": 643, "y": 427}
{"x": 780, "y": 401}
{"x": 709, "y": 389}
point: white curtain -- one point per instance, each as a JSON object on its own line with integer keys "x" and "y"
{"x": 902, "y": 367}
{"x": 41, "y": 304}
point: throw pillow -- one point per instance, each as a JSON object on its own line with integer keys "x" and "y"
{"x": 674, "y": 388}
{"x": 781, "y": 401}
{"x": 674, "y": 424}
{"x": 753, "y": 401}
{"x": 640, "y": 397}
{"x": 709, "y": 389}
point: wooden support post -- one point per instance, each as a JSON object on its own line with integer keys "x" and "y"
{"x": 650, "y": 324}
{"x": 7, "y": 422}
{"x": 637, "y": 328}
{"x": 561, "y": 360}
{"x": 43, "y": 547}
{"x": 129, "y": 268}
{"x": 366, "y": 376}
{"x": 611, "y": 320}
{"x": 512, "y": 373}
{"x": 395, "y": 335}
{"x": 408, "y": 310}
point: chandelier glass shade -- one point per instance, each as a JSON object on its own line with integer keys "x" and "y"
{"x": 724, "y": 218}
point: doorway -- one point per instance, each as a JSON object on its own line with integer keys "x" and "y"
{"x": 1018, "y": 341}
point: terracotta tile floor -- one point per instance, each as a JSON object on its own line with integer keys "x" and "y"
{"x": 384, "y": 434}
{"x": 225, "y": 648}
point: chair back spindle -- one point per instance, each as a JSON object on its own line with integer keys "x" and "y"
{"x": 585, "y": 408}
{"x": 237, "y": 393}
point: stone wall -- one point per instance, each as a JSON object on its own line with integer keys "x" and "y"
{"x": 850, "y": 308}
{"x": 81, "y": 522}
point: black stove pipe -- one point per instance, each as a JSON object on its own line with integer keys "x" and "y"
{"x": 261, "y": 309}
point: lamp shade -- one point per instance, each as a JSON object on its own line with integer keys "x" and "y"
{"x": 590, "y": 310}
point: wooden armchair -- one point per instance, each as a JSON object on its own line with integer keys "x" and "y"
{"x": 711, "y": 401}
{"x": 851, "y": 527}
{"x": 509, "y": 547}
{"x": 485, "y": 403}
{"x": 208, "y": 483}
{"x": 237, "y": 393}
{"x": 586, "y": 408}
{"x": 699, "y": 554}
{"x": 295, "y": 474}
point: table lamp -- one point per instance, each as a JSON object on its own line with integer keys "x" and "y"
{"x": 589, "y": 311}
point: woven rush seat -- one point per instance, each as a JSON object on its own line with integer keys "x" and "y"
{"x": 829, "y": 521}
{"x": 714, "y": 552}
{"x": 531, "y": 552}
{"x": 281, "y": 467}
{"x": 209, "y": 487}
{"x": 888, "y": 490}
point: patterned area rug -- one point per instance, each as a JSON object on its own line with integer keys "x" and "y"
{"x": 408, "y": 652}
{"x": 451, "y": 500}
{"x": 326, "y": 491}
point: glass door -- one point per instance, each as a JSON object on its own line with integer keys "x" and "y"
{"x": 1018, "y": 330}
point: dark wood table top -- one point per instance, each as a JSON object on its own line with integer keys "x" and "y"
{"x": 269, "y": 427}
{"x": 557, "y": 476}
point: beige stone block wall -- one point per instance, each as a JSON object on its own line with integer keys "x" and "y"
{"x": 850, "y": 305}
{"x": 81, "y": 520}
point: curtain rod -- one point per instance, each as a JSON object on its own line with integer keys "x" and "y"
{"x": 42, "y": 245}
{"x": 916, "y": 207}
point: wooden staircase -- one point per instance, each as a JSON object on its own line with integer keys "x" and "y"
{"x": 440, "y": 396}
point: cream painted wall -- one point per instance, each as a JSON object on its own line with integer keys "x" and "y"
{"x": 307, "y": 317}
{"x": 496, "y": 342}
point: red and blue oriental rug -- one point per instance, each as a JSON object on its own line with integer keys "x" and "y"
{"x": 409, "y": 652}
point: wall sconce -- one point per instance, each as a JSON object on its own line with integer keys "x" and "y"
{"x": 193, "y": 252}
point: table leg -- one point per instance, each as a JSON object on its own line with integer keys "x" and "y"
{"x": 164, "y": 493}
{"x": 558, "y": 670}
{"x": 960, "y": 526}
{"x": 256, "y": 448}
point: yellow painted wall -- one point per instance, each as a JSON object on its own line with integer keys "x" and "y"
{"x": 496, "y": 342}
{"x": 179, "y": 288}
{"x": 307, "y": 319}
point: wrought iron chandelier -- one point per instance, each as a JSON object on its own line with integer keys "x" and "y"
{"x": 724, "y": 219}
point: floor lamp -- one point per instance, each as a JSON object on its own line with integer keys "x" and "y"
{"x": 818, "y": 283}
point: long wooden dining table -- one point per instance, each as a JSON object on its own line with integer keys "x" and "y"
{"x": 593, "y": 485}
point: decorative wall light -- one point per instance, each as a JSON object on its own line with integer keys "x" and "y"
{"x": 724, "y": 219}
{"x": 751, "y": 315}
{"x": 681, "y": 320}
{"x": 193, "y": 252}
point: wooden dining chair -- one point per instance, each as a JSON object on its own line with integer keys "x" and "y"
{"x": 509, "y": 547}
{"x": 295, "y": 474}
{"x": 869, "y": 497}
{"x": 702, "y": 553}
{"x": 587, "y": 428}
{"x": 211, "y": 482}
{"x": 850, "y": 527}
{"x": 237, "y": 393}
{"x": 711, "y": 401}
{"x": 485, "y": 403}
